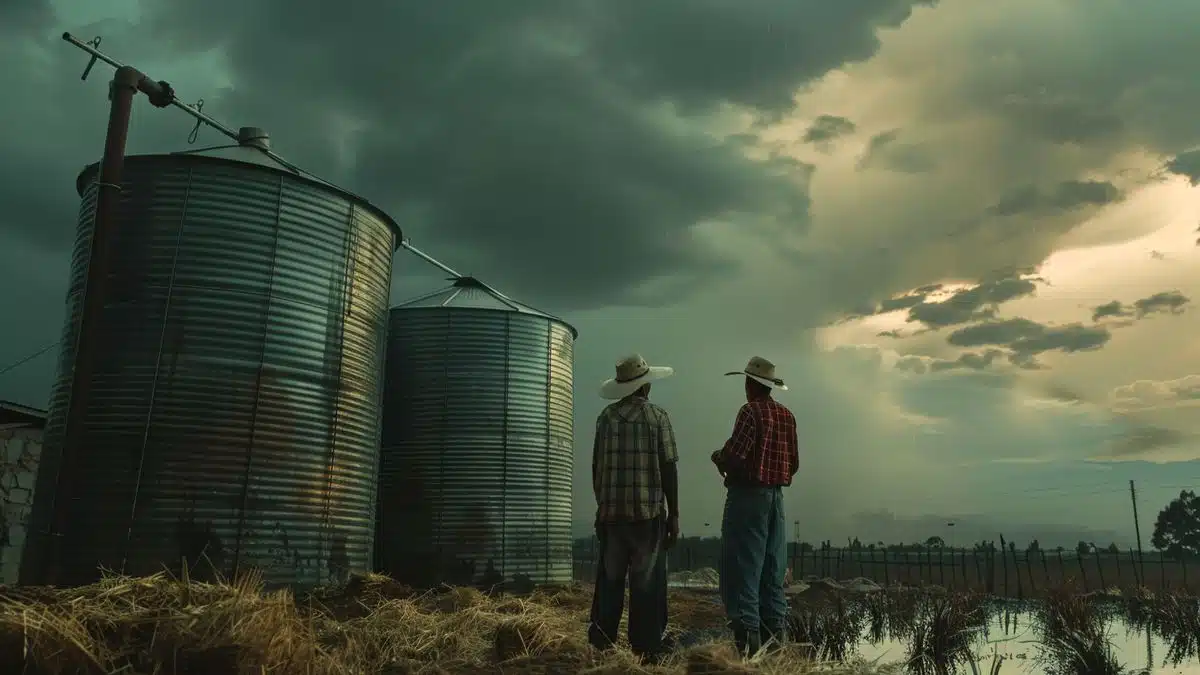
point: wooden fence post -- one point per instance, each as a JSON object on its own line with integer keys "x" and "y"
{"x": 1045, "y": 567}
{"x": 1004, "y": 562}
{"x": 990, "y": 565}
{"x": 1062, "y": 569}
{"x": 1100, "y": 570}
{"x": 1137, "y": 571}
{"x": 887, "y": 577}
{"x": 1082, "y": 572}
{"x": 1162, "y": 569}
{"x": 1017, "y": 569}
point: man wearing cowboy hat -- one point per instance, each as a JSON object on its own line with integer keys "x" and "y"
{"x": 757, "y": 462}
{"x": 637, "y": 508}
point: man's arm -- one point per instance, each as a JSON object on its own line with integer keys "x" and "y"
{"x": 795, "y": 449}
{"x": 668, "y": 463}
{"x": 741, "y": 442}
{"x": 596, "y": 487}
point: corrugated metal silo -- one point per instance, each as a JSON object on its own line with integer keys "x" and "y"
{"x": 234, "y": 413}
{"x": 477, "y": 451}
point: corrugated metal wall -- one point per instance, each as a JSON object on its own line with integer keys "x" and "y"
{"x": 477, "y": 456}
{"x": 234, "y": 418}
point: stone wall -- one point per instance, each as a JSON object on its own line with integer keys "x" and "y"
{"x": 20, "y": 450}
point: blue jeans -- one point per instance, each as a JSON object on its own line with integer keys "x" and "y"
{"x": 634, "y": 550}
{"x": 754, "y": 560}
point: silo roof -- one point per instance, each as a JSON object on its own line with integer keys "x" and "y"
{"x": 245, "y": 153}
{"x": 471, "y": 293}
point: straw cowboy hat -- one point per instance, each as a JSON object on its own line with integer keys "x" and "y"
{"x": 632, "y": 373}
{"x": 762, "y": 371}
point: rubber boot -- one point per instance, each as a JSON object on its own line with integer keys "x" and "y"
{"x": 771, "y": 640}
{"x": 747, "y": 642}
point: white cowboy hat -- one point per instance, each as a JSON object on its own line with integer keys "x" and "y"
{"x": 762, "y": 371}
{"x": 632, "y": 373}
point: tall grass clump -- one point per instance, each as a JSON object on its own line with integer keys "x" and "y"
{"x": 829, "y": 628}
{"x": 1173, "y": 616}
{"x": 1074, "y": 636}
{"x": 946, "y": 629}
{"x": 891, "y": 614}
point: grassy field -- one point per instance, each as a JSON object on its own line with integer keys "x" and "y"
{"x": 374, "y": 626}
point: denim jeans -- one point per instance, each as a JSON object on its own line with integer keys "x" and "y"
{"x": 634, "y": 550}
{"x": 754, "y": 561}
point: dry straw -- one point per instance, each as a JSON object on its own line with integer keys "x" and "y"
{"x": 372, "y": 626}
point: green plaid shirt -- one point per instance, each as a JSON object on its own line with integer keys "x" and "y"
{"x": 633, "y": 439}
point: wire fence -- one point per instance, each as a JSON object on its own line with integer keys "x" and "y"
{"x": 1006, "y": 573}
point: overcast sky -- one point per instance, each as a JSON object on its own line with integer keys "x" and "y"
{"x": 965, "y": 231}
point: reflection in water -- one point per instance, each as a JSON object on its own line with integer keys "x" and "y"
{"x": 973, "y": 634}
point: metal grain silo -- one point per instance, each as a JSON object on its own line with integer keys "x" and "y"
{"x": 477, "y": 450}
{"x": 234, "y": 413}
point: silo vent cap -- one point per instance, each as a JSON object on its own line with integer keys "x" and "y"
{"x": 254, "y": 137}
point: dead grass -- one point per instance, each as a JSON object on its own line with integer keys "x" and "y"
{"x": 946, "y": 628}
{"x": 373, "y": 626}
{"x": 1074, "y": 636}
{"x": 1174, "y": 616}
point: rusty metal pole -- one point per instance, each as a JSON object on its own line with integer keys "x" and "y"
{"x": 124, "y": 86}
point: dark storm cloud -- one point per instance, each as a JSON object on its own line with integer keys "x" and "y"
{"x": 756, "y": 52}
{"x": 1063, "y": 122}
{"x": 967, "y": 361}
{"x": 527, "y": 139}
{"x": 1144, "y": 438}
{"x": 17, "y": 16}
{"x": 1187, "y": 164}
{"x": 1026, "y": 339}
{"x": 970, "y": 304}
{"x": 1066, "y": 196}
{"x": 828, "y": 128}
{"x": 1165, "y": 302}
{"x": 1114, "y": 308}
{"x": 888, "y": 151}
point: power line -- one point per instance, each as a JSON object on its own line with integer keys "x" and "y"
{"x": 1082, "y": 490}
{"x": 26, "y": 359}
{"x": 1072, "y": 495}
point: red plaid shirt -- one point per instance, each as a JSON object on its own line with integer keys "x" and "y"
{"x": 763, "y": 449}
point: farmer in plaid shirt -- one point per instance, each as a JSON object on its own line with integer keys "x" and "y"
{"x": 757, "y": 462}
{"x": 637, "y": 509}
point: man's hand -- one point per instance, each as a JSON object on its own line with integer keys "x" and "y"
{"x": 672, "y": 531}
{"x": 716, "y": 459}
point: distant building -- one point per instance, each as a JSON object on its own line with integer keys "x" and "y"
{"x": 21, "y": 429}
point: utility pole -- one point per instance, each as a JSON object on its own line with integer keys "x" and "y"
{"x": 1137, "y": 530}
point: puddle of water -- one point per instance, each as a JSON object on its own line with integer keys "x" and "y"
{"x": 1014, "y": 637}
{"x": 1011, "y": 634}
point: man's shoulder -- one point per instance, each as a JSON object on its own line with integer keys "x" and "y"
{"x": 784, "y": 411}
{"x": 767, "y": 406}
{"x": 656, "y": 408}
